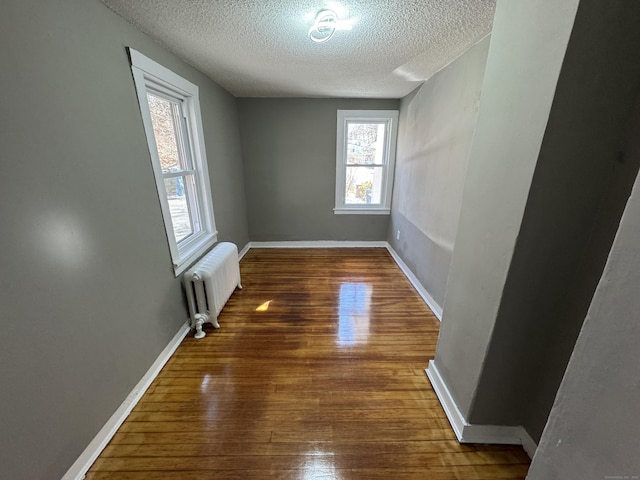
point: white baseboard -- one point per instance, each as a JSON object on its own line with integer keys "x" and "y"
{"x": 433, "y": 305}
{"x": 244, "y": 251}
{"x": 100, "y": 441}
{"x": 471, "y": 433}
{"x": 318, "y": 244}
{"x": 528, "y": 443}
{"x": 456, "y": 419}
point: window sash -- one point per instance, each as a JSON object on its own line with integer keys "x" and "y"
{"x": 193, "y": 210}
{"x": 181, "y": 128}
{"x": 373, "y": 186}
{"x": 181, "y": 136}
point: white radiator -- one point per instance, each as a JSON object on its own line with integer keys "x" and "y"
{"x": 210, "y": 283}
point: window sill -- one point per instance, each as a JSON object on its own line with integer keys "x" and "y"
{"x": 194, "y": 254}
{"x": 361, "y": 211}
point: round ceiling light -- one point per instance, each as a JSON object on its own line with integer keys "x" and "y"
{"x": 326, "y": 25}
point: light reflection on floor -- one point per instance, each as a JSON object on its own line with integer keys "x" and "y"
{"x": 204, "y": 385}
{"x": 319, "y": 466}
{"x": 264, "y": 307}
{"x": 354, "y": 313}
{"x": 211, "y": 409}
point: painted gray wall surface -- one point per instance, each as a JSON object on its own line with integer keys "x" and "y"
{"x": 582, "y": 180}
{"x": 528, "y": 43}
{"x": 593, "y": 428}
{"x": 88, "y": 298}
{"x": 436, "y": 128}
{"x": 289, "y": 154}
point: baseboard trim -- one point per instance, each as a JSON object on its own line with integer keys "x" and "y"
{"x": 456, "y": 419}
{"x": 473, "y": 433}
{"x": 428, "y": 299}
{"x": 100, "y": 441}
{"x": 529, "y": 444}
{"x": 244, "y": 251}
{"x": 318, "y": 244}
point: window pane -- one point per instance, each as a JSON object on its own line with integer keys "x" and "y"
{"x": 363, "y": 185}
{"x": 365, "y": 143}
{"x": 179, "y": 206}
{"x": 166, "y": 130}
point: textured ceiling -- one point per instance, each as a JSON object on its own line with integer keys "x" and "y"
{"x": 260, "y": 48}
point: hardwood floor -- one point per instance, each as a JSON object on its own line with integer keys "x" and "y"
{"x": 317, "y": 372}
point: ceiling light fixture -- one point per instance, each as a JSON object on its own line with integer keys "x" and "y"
{"x": 326, "y": 25}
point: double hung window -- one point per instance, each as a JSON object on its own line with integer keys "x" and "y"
{"x": 365, "y": 157}
{"x": 171, "y": 116}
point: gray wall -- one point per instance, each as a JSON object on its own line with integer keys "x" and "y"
{"x": 88, "y": 298}
{"x": 437, "y": 122}
{"x": 289, "y": 153}
{"x": 593, "y": 429}
{"x": 528, "y": 43}
{"x": 582, "y": 180}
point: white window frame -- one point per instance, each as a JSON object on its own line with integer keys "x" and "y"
{"x": 390, "y": 119}
{"x": 150, "y": 76}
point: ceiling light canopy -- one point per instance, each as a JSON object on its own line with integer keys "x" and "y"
{"x": 326, "y": 25}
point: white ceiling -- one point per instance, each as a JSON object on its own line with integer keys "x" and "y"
{"x": 260, "y": 48}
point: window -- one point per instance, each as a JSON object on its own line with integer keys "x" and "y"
{"x": 171, "y": 116}
{"x": 365, "y": 156}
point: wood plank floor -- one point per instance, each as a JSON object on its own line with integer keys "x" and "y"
{"x": 317, "y": 372}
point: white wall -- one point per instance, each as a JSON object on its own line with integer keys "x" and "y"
{"x": 436, "y": 128}
{"x": 593, "y": 426}
{"x": 528, "y": 44}
{"x": 582, "y": 180}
